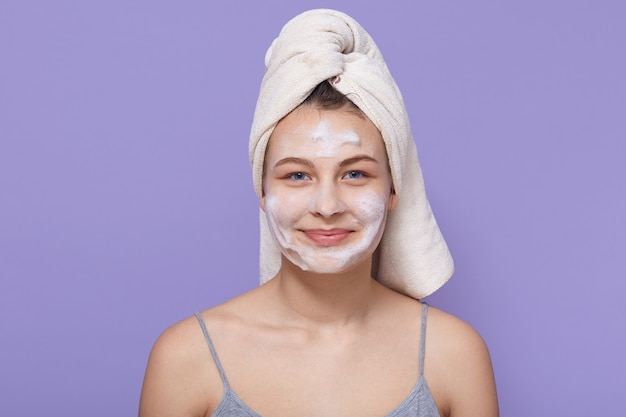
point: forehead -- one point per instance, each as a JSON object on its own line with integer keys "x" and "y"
{"x": 311, "y": 132}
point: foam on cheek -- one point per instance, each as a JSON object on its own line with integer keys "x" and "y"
{"x": 370, "y": 208}
{"x": 282, "y": 215}
{"x": 329, "y": 142}
{"x": 278, "y": 217}
{"x": 370, "y": 212}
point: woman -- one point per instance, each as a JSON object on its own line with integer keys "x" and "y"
{"x": 348, "y": 247}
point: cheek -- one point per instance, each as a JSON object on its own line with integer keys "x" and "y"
{"x": 370, "y": 208}
{"x": 285, "y": 208}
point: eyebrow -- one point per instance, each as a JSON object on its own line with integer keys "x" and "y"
{"x": 356, "y": 159}
{"x": 294, "y": 160}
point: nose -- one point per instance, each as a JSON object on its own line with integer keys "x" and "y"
{"x": 327, "y": 201}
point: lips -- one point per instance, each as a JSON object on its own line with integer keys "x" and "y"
{"x": 327, "y": 237}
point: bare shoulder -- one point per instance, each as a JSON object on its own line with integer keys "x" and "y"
{"x": 458, "y": 367}
{"x": 179, "y": 379}
{"x": 454, "y": 335}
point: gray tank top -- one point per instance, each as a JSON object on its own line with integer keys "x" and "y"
{"x": 419, "y": 402}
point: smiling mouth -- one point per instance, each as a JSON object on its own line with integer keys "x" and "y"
{"x": 327, "y": 237}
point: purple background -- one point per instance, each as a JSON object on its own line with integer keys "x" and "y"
{"x": 127, "y": 200}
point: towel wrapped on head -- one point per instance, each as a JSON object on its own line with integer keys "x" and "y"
{"x": 321, "y": 45}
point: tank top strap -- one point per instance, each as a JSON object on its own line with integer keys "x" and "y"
{"x": 423, "y": 338}
{"x": 213, "y": 352}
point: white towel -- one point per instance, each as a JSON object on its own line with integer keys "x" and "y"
{"x": 319, "y": 45}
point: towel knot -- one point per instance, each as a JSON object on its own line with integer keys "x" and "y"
{"x": 325, "y": 42}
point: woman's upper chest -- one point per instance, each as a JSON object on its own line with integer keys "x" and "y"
{"x": 366, "y": 374}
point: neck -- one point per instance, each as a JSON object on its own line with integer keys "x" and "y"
{"x": 326, "y": 299}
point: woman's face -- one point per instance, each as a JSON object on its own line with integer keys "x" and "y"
{"x": 327, "y": 189}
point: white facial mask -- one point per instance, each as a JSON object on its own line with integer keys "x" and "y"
{"x": 329, "y": 142}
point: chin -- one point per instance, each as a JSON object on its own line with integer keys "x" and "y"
{"x": 329, "y": 261}
{"x": 329, "y": 266}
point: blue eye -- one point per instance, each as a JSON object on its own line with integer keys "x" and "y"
{"x": 354, "y": 175}
{"x": 298, "y": 176}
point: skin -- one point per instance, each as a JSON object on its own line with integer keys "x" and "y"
{"x": 327, "y": 340}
